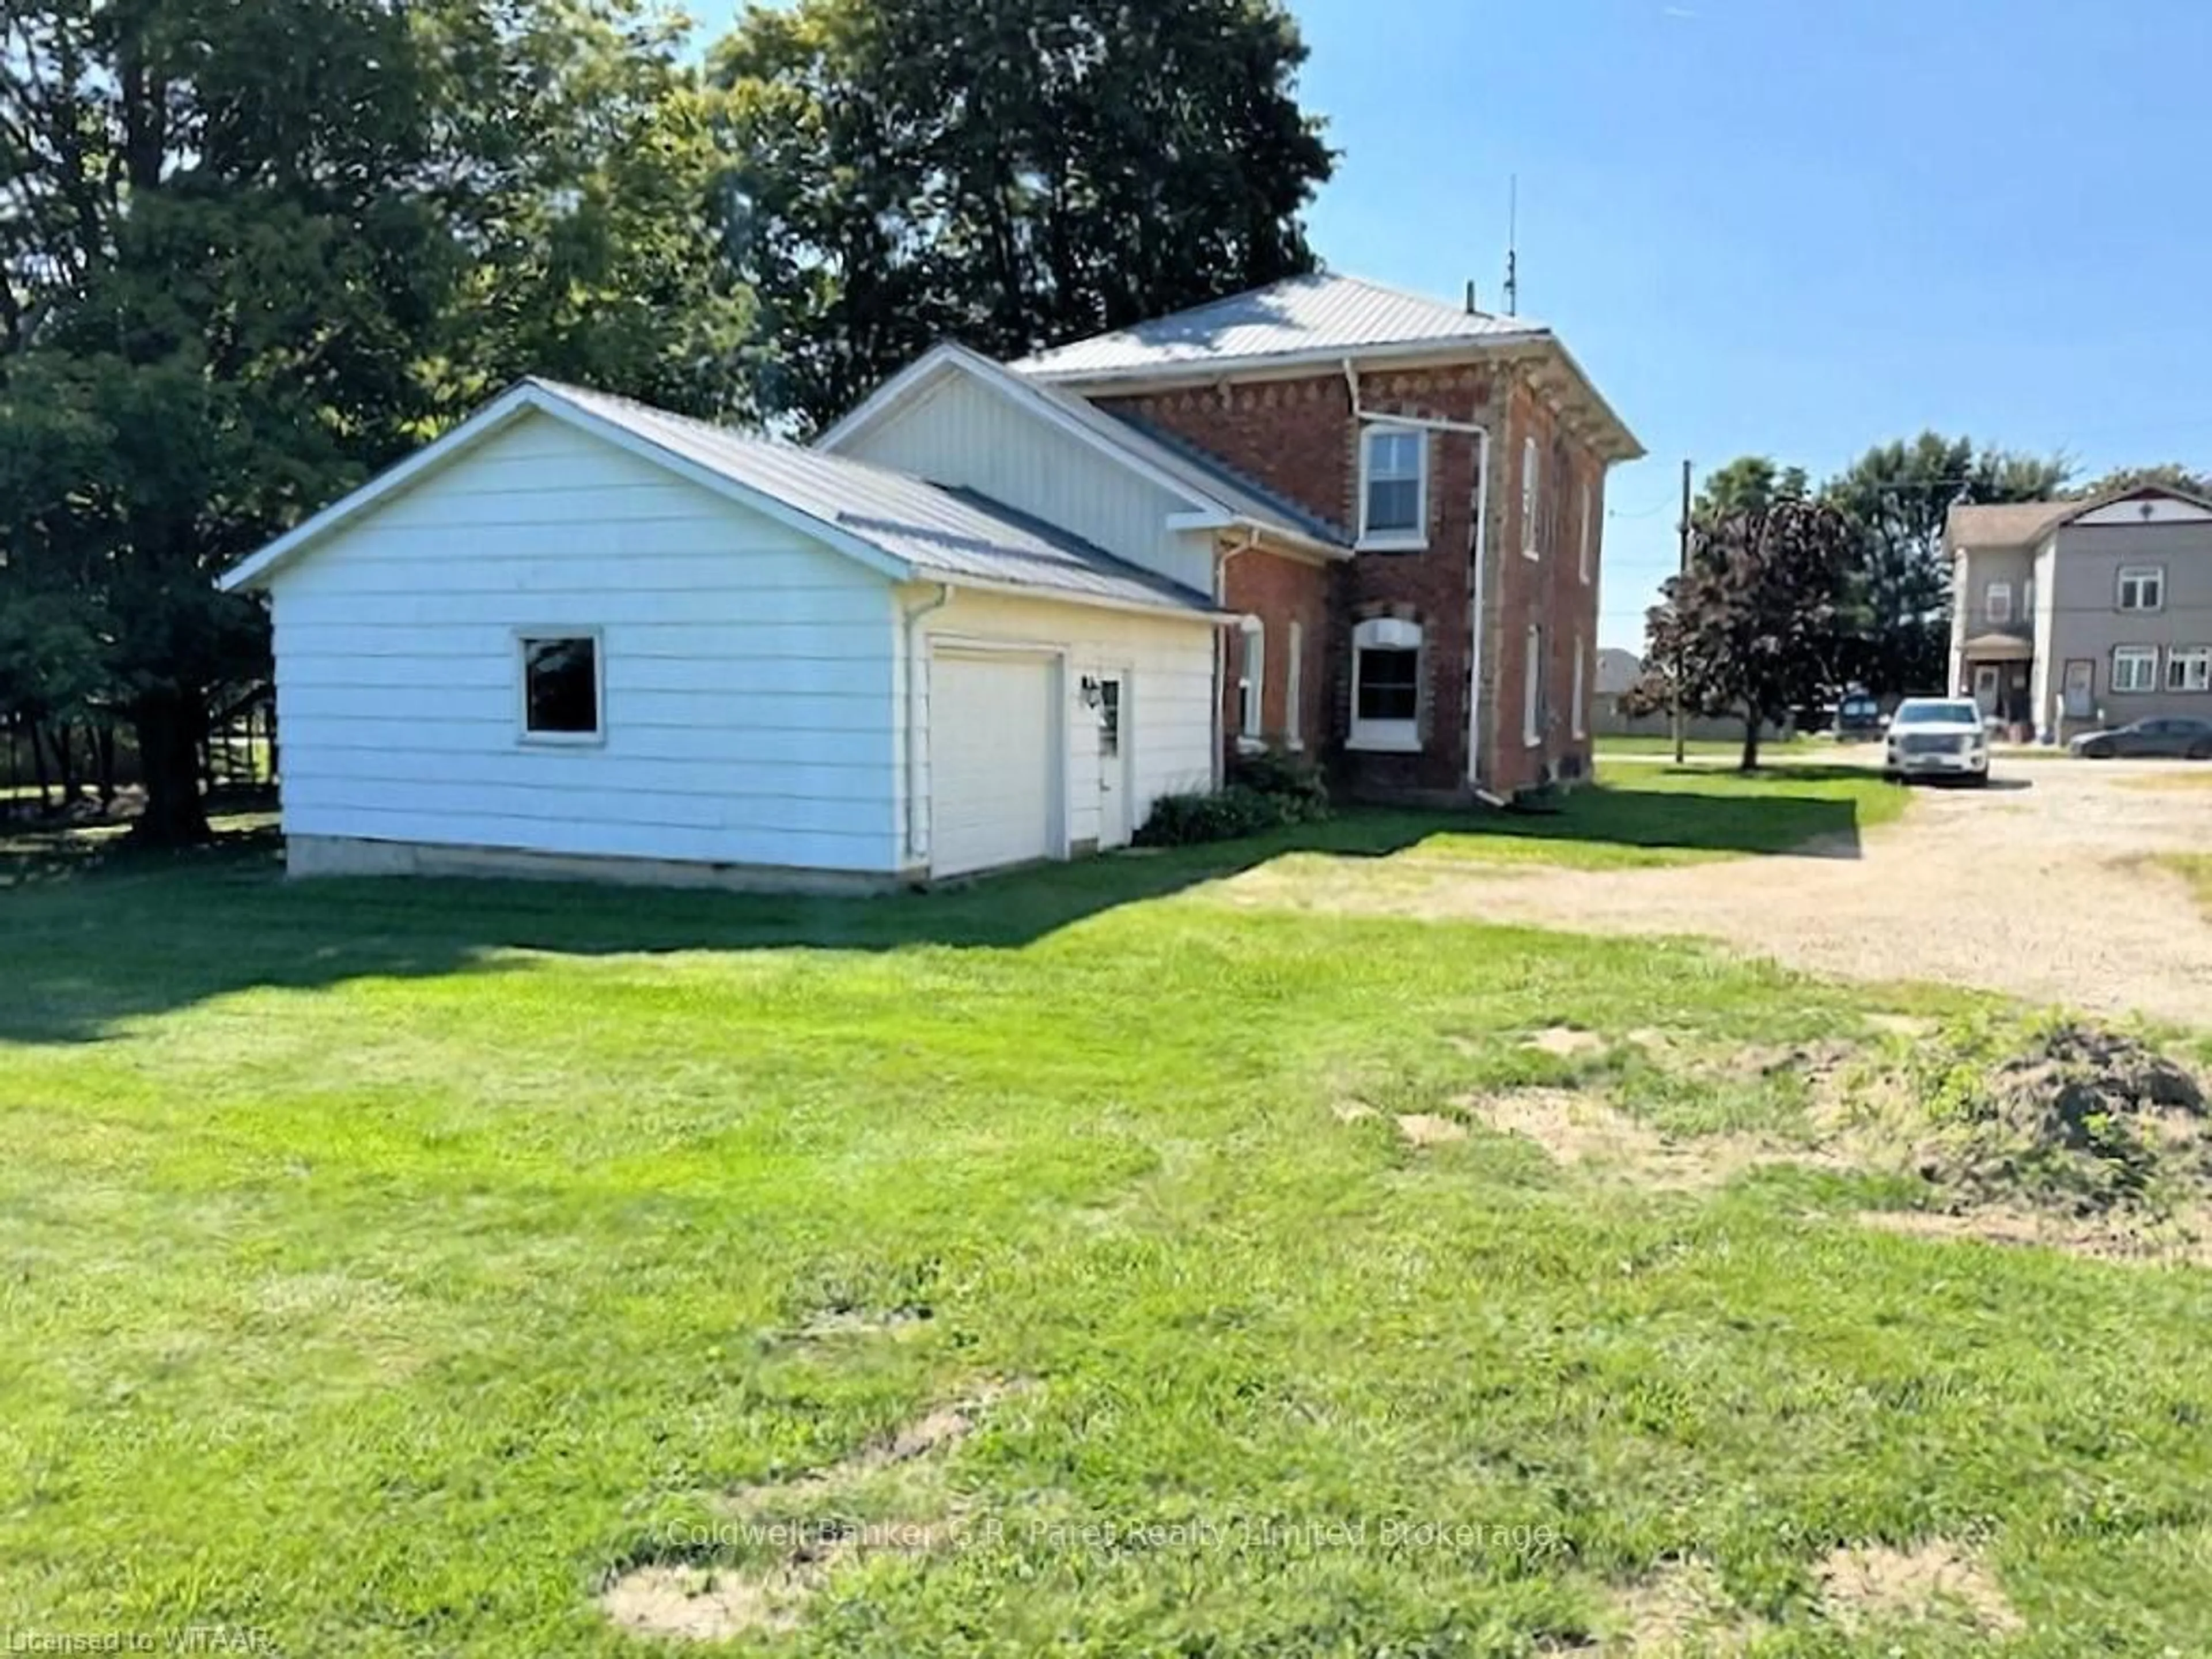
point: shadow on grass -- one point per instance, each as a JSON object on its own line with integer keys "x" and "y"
{"x": 100, "y": 931}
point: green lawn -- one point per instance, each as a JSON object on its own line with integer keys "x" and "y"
{"x": 384, "y": 1266}
{"x": 1713, "y": 747}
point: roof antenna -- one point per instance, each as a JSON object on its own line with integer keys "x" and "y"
{"x": 1512, "y": 250}
{"x": 1471, "y": 311}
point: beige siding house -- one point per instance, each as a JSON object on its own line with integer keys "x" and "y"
{"x": 2067, "y": 616}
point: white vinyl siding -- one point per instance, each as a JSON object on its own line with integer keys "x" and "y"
{"x": 1167, "y": 712}
{"x": 961, "y": 432}
{"x": 745, "y": 671}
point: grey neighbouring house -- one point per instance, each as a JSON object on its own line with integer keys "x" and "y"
{"x": 2067, "y": 616}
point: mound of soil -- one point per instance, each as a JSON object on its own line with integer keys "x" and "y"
{"x": 2076, "y": 1120}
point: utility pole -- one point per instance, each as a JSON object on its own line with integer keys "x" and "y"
{"x": 1682, "y": 534}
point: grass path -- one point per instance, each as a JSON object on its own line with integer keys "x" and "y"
{"x": 385, "y": 1266}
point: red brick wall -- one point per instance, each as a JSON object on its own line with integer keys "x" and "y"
{"x": 1296, "y": 436}
{"x": 1280, "y": 590}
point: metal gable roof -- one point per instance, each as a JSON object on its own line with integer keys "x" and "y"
{"x": 956, "y": 534}
{"x": 1321, "y": 313}
{"x": 900, "y": 526}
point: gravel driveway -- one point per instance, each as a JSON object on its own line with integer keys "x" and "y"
{"x": 2035, "y": 886}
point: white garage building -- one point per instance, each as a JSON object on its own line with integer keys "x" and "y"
{"x": 581, "y": 636}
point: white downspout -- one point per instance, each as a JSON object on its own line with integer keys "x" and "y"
{"x": 917, "y": 819}
{"x": 1221, "y": 646}
{"x": 1481, "y": 434}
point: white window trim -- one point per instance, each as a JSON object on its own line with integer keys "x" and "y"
{"x": 1589, "y": 541}
{"x": 1385, "y": 737}
{"x": 1294, "y": 677}
{"x": 2183, "y": 657}
{"x": 2134, "y": 653}
{"x": 1393, "y": 541}
{"x": 1580, "y": 721}
{"x": 1252, "y": 684}
{"x": 1995, "y": 614}
{"x": 2139, "y": 574}
{"x": 1532, "y": 497}
{"x": 1532, "y": 688}
{"x": 524, "y": 638}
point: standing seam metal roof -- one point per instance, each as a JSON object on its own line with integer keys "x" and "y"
{"x": 940, "y": 531}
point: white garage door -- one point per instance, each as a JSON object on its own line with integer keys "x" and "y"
{"x": 993, "y": 761}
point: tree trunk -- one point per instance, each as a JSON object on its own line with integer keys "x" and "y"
{"x": 1752, "y": 722}
{"x": 168, "y": 756}
{"x": 39, "y": 772}
{"x": 103, "y": 751}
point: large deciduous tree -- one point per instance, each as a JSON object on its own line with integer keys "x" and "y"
{"x": 1898, "y": 497}
{"x": 250, "y": 253}
{"x": 1013, "y": 175}
{"x": 1750, "y": 627}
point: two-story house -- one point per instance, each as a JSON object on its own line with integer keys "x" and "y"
{"x": 2068, "y": 615}
{"x": 992, "y": 617}
{"x": 1457, "y": 458}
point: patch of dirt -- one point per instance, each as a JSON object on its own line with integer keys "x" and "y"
{"x": 1427, "y": 1129}
{"x": 703, "y": 1604}
{"x": 1582, "y": 1130}
{"x": 1566, "y": 1041}
{"x": 1817, "y": 1062}
{"x": 1866, "y": 1584}
{"x": 2186, "y": 1239}
{"x": 690, "y": 1601}
{"x": 1905, "y": 1025}
{"x": 832, "y": 1323}
{"x": 1679, "y": 1610}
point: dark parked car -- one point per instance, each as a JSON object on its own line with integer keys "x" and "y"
{"x": 1859, "y": 718}
{"x": 2186, "y": 737}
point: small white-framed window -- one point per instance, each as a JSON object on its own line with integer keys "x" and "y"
{"x": 1532, "y": 689}
{"x": 1589, "y": 536}
{"x": 1385, "y": 685}
{"x": 1393, "y": 487}
{"x": 1996, "y": 603}
{"x": 2142, "y": 588}
{"x": 561, "y": 688}
{"x": 1580, "y": 718}
{"x": 1532, "y": 493}
{"x": 2189, "y": 668}
{"x": 2135, "y": 668}
{"x": 1251, "y": 677}
{"x": 1294, "y": 685}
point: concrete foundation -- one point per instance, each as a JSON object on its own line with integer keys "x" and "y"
{"x": 308, "y": 857}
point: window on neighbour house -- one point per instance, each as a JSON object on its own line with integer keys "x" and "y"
{"x": 2142, "y": 588}
{"x": 560, "y": 686}
{"x": 1531, "y": 495}
{"x": 2189, "y": 668}
{"x": 1386, "y": 685}
{"x": 1996, "y": 603}
{"x": 1532, "y": 689}
{"x": 1580, "y": 721}
{"x": 1589, "y": 536}
{"x": 1294, "y": 679}
{"x": 2135, "y": 668}
{"x": 1393, "y": 486}
{"x": 1251, "y": 679}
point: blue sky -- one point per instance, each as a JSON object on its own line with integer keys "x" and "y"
{"x": 1798, "y": 228}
